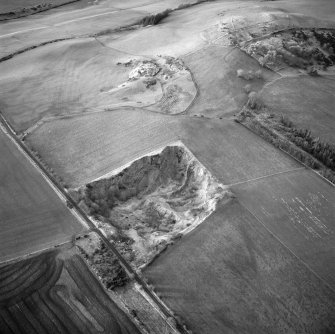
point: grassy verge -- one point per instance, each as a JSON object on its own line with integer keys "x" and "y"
{"x": 103, "y": 262}
{"x": 299, "y": 143}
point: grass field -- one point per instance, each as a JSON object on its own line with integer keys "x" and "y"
{"x": 60, "y": 23}
{"x": 221, "y": 91}
{"x": 75, "y": 76}
{"x": 56, "y": 293}
{"x": 307, "y": 101}
{"x": 83, "y": 148}
{"x": 65, "y": 77}
{"x": 299, "y": 208}
{"x": 178, "y": 34}
{"x": 231, "y": 276}
{"x": 32, "y": 216}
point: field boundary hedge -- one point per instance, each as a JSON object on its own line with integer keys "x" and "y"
{"x": 247, "y": 119}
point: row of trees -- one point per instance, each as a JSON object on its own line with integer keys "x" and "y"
{"x": 155, "y": 18}
{"x": 298, "y": 143}
{"x": 304, "y": 139}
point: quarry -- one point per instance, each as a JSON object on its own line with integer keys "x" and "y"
{"x": 167, "y": 166}
{"x": 152, "y": 202}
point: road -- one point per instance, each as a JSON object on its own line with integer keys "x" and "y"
{"x": 10, "y": 132}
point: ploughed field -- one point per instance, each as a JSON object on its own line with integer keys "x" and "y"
{"x": 81, "y": 149}
{"x": 230, "y": 275}
{"x": 56, "y": 293}
{"x": 32, "y": 216}
{"x": 260, "y": 263}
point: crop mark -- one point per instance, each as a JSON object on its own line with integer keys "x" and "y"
{"x": 288, "y": 248}
{"x": 266, "y": 176}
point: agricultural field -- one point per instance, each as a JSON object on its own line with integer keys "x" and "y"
{"x": 17, "y": 35}
{"x": 56, "y": 293}
{"x": 81, "y": 149}
{"x": 230, "y": 153}
{"x": 299, "y": 209}
{"x": 193, "y": 221}
{"x": 306, "y": 101}
{"x": 230, "y": 275}
{"x": 178, "y": 34}
{"x": 32, "y": 215}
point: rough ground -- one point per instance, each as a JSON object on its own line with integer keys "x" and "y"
{"x": 261, "y": 263}
{"x": 152, "y": 201}
{"x": 163, "y": 83}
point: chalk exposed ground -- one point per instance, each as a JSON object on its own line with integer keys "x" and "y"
{"x": 261, "y": 263}
{"x": 148, "y": 204}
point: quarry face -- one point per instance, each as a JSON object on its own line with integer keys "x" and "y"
{"x": 152, "y": 202}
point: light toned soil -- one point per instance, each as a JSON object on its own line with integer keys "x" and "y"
{"x": 162, "y": 83}
{"x": 152, "y": 201}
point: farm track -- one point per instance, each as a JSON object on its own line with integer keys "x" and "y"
{"x": 10, "y": 132}
{"x": 46, "y": 119}
{"x": 266, "y": 176}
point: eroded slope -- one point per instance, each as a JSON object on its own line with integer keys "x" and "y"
{"x": 152, "y": 202}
